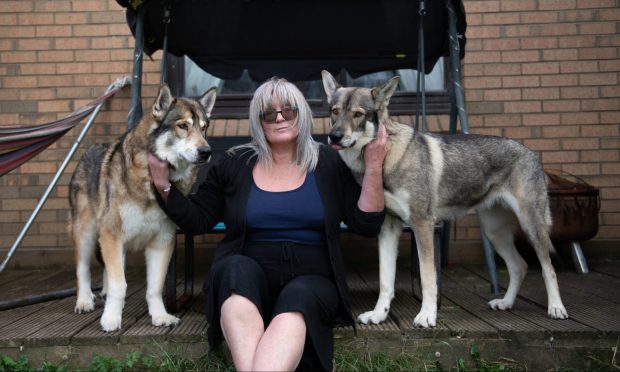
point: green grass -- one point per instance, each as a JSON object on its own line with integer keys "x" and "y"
{"x": 346, "y": 359}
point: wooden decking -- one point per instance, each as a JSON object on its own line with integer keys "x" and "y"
{"x": 51, "y": 331}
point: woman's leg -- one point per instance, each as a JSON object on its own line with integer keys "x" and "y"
{"x": 282, "y": 344}
{"x": 242, "y": 326}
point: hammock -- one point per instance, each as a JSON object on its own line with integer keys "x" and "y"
{"x": 18, "y": 144}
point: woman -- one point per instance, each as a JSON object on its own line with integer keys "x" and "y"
{"x": 277, "y": 284}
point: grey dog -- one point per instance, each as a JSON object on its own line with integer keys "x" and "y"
{"x": 431, "y": 177}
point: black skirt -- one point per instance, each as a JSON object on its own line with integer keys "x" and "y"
{"x": 281, "y": 277}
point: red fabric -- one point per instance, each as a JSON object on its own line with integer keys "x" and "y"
{"x": 18, "y": 144}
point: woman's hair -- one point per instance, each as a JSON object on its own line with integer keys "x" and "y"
{"x": 288, "y": 95}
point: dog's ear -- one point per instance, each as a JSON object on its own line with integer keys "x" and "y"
{"x": 382, "y": 94}
{"x": 329, "y": 84}
{"x": 163, "y": 102}
{"x": 207, "y": 101}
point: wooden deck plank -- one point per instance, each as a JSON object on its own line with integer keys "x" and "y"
{"x": 456, "y": 321}
{"x": 611, "y": 268}
{"x": 9, "y": 277}
{"x": 39, "y": 282}
{"x": 363, "y": 298}
{"x": 12, "y": 315}
{"x": 193, "y": 326}
{"x": 578, "y": 302}
{"x": 464, "y": 292}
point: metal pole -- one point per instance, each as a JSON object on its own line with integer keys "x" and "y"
{"x": 119, "y": 83}
{"x": 135, "y": 106}
{"x": 455, "y": 61}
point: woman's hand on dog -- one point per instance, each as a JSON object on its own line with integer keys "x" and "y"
{"x": 159, "y": 175}
{"x": 376, "y": 150}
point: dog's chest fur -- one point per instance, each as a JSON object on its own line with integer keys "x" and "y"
{"x": 141, "y": 225}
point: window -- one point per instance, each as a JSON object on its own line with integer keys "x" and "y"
{"x": 234, "y": 95}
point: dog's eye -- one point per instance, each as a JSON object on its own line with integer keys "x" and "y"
{"x": 183, "y": 126}
{"x": 357, "y": 114}
{"x": 335, "y": 111}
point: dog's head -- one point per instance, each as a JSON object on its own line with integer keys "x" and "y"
{"x": 179, "y": 128}
{"x": 356, "y": 112}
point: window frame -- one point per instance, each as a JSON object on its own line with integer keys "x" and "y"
{"x": 236, "y": 106}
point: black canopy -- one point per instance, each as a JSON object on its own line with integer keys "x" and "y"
{"x": 296, "y": 39}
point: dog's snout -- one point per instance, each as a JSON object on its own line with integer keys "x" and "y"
{"x": 204, "y": 153}
{"x": 335, "y": 136}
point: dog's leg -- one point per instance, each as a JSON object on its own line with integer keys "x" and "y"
{"x": 496, "y": 223}
{"x": 427, "y": 317}
{"x": 113, "y": 257}
{"x": 84, "y": 235}
{"x": 388, "y": 252}
{"x": 158, "y": 256}
{"x": 533, "y": 224}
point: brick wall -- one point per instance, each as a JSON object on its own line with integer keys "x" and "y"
{"x": 543, "y": 72}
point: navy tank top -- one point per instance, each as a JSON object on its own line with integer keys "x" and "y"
{"x": 295, "y": 216}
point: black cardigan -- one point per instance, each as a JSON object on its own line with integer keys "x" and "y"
{"x": 223, "y": 197}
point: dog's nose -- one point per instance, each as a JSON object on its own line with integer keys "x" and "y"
{"x": 335, "y": 136}
{"x": 204, "y": 153}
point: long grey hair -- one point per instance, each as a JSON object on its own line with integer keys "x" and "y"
{"x": 289, "y": 95}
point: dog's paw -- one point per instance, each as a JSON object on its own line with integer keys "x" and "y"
{"x": 164, "y": 320}
{"x": 557, "y": 312}
{"x": 425, "y": 319}
{"x": 373, "y": 317}
{"x": 85, "y": 304}
{"x": 500, "y": 304}
{"x": 110, "y": 323}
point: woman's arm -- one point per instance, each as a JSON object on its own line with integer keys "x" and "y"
{"x": 371, "y": 197}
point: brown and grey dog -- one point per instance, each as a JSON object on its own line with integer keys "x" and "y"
{"x": 113, "y": 203}
{"x": 430, "y": 177}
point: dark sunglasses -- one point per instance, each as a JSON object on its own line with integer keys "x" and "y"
{"x": 270, "y": 116}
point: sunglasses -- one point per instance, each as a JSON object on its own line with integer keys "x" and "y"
{"x": 270, "y": 116}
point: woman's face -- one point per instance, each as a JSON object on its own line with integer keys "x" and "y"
{"x": 279, "y": 123}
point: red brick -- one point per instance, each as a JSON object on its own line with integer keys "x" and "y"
{"x": 518, "y": 132}
{"x": 520, "y": 81}
{"x": 561, "y": 106}
{"x": 540, "y": 68}
{"x": 92, "y": 55}
{"x": 582, "y": 169}
{"x": 542, "y": 144}
{"x": 482, "y": 82}
{"x": 560, "y": 29}
{"x": 499, "y": 44}
{"x": 37, "y": 94}
{"x": 610, "y": 143}
{"x": 600, "y": 156}
{"x": 19, "y": 82}
{"x": 579, "y": 118}
{"x": 501, "y": 69}
{"x": 597, "y": 53}
{"x": 610, "y": 168}
{"x": 541, "y": 93}
{"x": 482, "y": 32}
{"x": 578, "y": 66}
{"x": 596, "y": 4}
{"x": 14, "y": 32}
{"x": 538, "y": 17}
{"x": 564, "y": 131}
{"x": 556, "y": 4}
{"x": 503, "y": 18}
{"x": 502, "y": 94}
{"x": 523, "y": 106}
{"x": 580, "y": 143}
{"x": 610, "y": 91}
{"x": 539, "y": 42}
{"x": 559, "y": 80}
{"x": 610, "y": 117}
{"x": 53, "y": 31}
{"x": 8, "y": 19}
{"x": 55, "y": 81}
{"x": 15, "y": 6}
{"x": 55, "y": 106}
{"x": 560, "y": 157}
{"x": 598, "y": 28}
{"x": 33, "y": 44}
{"x": 74, "y": 68}
{"x": 18, "y": 57}
{"x": 71, "y": 43}
{"x": 38, "y": 69}
{"x": 605, "y": 66}
{"x": 541, "y": 119}
{"x": 88, "y": 6}
{"x": 111, "y": 17}
{"x": 520, "y": 56}
{"x": 55, "y": 56}
{"x": 70, "y": 18}
{"x": 502, "y": 120}
{"x": 517, "y": 5}
{"x": 53, "y": 6}
{"x": 600, "y": 130}
{"x": 482, "y": 57}
{"x": 559, "y": 55}
{"x": 581, "y": 15}
{"x": 566, "y": 41}
{"x": 90, "y": 30}
{"x": 35, "y": 19}
{"x": 607, "y": 104}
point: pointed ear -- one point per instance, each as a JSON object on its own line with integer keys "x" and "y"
{"x": 163, "y": 102}
{"x": 382, "y": 94}
{"x": 207, "y": 101}
{"x": 329, "y": 84}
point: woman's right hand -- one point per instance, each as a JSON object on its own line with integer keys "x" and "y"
{"x": 159, "y": 175}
